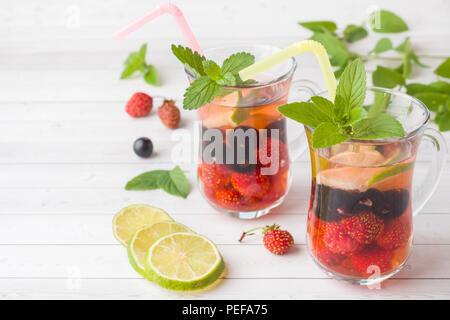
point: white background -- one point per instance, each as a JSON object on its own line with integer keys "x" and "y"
{"x": 66, "y": 150}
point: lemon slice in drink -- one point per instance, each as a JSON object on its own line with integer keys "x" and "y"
{"x": 128, "y": 220}
{"x": 367, "y": 158}
{"x": 184, "y": 261}
{"x": 145, "y": 237}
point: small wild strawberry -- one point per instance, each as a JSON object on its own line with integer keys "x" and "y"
{"x": 139, "y": 105}
{"x": 169, "y": 114}
{"x": 275, "y": 240}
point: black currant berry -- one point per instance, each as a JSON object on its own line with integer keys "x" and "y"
{"x": 143, "y": 147}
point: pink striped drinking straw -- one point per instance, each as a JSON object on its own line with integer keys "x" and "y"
{"x": 175, "y": 12}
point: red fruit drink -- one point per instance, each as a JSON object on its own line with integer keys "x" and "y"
{"x": 359, "y": 220}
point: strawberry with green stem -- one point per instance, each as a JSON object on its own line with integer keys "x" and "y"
{"x": 275, "y": 240}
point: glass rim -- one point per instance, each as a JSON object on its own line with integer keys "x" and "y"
{"x": 279, "y": 79}
{"x": 411, "y": 134}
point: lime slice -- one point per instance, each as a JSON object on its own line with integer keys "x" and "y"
{"x": 368, "y": 158}
{"x": 347, "y": 178}
{"x": 145, "y": 237}
{"x": 389, "y": 172}
{"x": 131, "y": 218}
{"x": 184, "y": 261}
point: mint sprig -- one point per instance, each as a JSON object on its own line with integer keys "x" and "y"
{"x": 345, "y": 118}
{"x": 172, "y": 181}
{"x": 136, "y": 62}
{"x": 210, "y": 77}
{"x": 337, "y": 44}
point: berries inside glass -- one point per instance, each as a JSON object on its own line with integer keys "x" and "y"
{"x": 243, "y": 185}
{"x": 359, "y": 219}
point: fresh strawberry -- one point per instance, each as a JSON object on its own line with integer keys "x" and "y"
{"x": 265, "y": 156}
{"x": 396, "y": 234}
{"x": 275, "y": 240}
{"x": 337, "y": 240}
{"x": 364, "y": 227}
{"x": 139, "y": 105}
{"x": 229, "y": 199}
{"x": 375, "y": 257}
{"x": 169, "y": 114}
{"x": 250, "y": 184}
{"x": 214, "y": 175}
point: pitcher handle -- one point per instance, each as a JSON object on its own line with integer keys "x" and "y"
{"x": 423, "y": 191}
{"x": 301, "y": 90}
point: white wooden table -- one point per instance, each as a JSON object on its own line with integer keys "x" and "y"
{"x": 66, "y": 151}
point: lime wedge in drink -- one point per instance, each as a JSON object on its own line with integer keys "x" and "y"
{"x": 128, "y": 220}
{"x": 390, "y": 171}
{"x": 184, "y": 261}
{"x": 145, "y": 237}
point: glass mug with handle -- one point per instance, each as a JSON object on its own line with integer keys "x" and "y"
{"x": 359, "y": 226}
{"x": 244, "y": 163}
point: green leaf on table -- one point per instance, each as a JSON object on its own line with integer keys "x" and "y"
{"x": 145, "y": 181}
{"x": 432, "y": 99}
{"x": 238, "y": 61}
{"x": 443, "y": 69}
{"x": 383, "y": 45}
{"x": 304, "y": 112}
{"x": 337, "y": 51}
{"x": 444, "y": 121}
{"x": 380, "y": 126}
{"x": 387, "y": 78}
{"x": 354, "y": 33}
{"x": 212, "y": 70}
{"x": 402, "y": 46}
{"x": 352, "y": 85}
{"x": 193, "y": 60}
{"x": 437, "y": 86}
{"x": 383, "y": 21}
{"x": 319, "y": 26}
{"x": 151, "y": 76}
{"x": 328, "y": 134}
{"x": 133, "y": 63}
{"x": 414, "y": 58}
{"x": 143, "y": 51}
{"x": 200, "y": 92}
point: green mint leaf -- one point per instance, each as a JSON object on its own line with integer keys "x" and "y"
{"x": 444, "y": 121}
{"x": 340, "y": 110}
{"x": 143, "y": 51}
{"x": 407, "y": 65}
{"x": 380, "y": 103}
{"x": 192, "y": 60}
{"x": 145, "y": 181}
{"x": 319, "y": 26}
{"x": 337, "y": 51}
{"x": 402, "y": 47}
{"x": 415, "y": 59}
{"x": 381, "y": 126}
{"x": 443, "y": 69}
{"x": 228, "y": 79}
{"x": 441, "y": 86}
{"x": 306, "y": 113}
{"x": 174, "y": 182}
{"x": 437, "y": 86}
{"x": 383, "y": 45}
{"x": 324, "y": 108}
{"x": 238, "y": 61}
{"x": 354, "y": 33}
{"x": 433, "y": 100}
{"x": 133, "y": 63}
{"x": 151, "y": 76}
{"x": 357, "y": 114}
{"x": 328, "y": 134}
{"x": 200, "y": 92}
{"x": 383, "y": 21}
{"x": 239, "y": 115}
{"x": 212, "y": 70}
{"x": 387, "y": 78}
{"x": 352, "y": 85}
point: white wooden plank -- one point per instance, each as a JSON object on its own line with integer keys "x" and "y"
{"x": 243, "y": 261}
{"x": 233, "y": 289}
{"x": 429, "y": 229}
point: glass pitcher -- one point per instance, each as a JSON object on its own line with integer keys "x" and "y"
{"x": 244, "y": 163}
{"x": 359, "y": 226}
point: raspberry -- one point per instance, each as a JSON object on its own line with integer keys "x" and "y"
{"x": 372, "y": 256}
{"x": 364, "y": 227}
{"x": 337, "y": 240}
{"x": 139, "y": 105}
{"x": 169, "y": 114}
{"x": 396, "y": 233}
{"x": 214, "y": 175}
{"x": 250, "y": 184}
